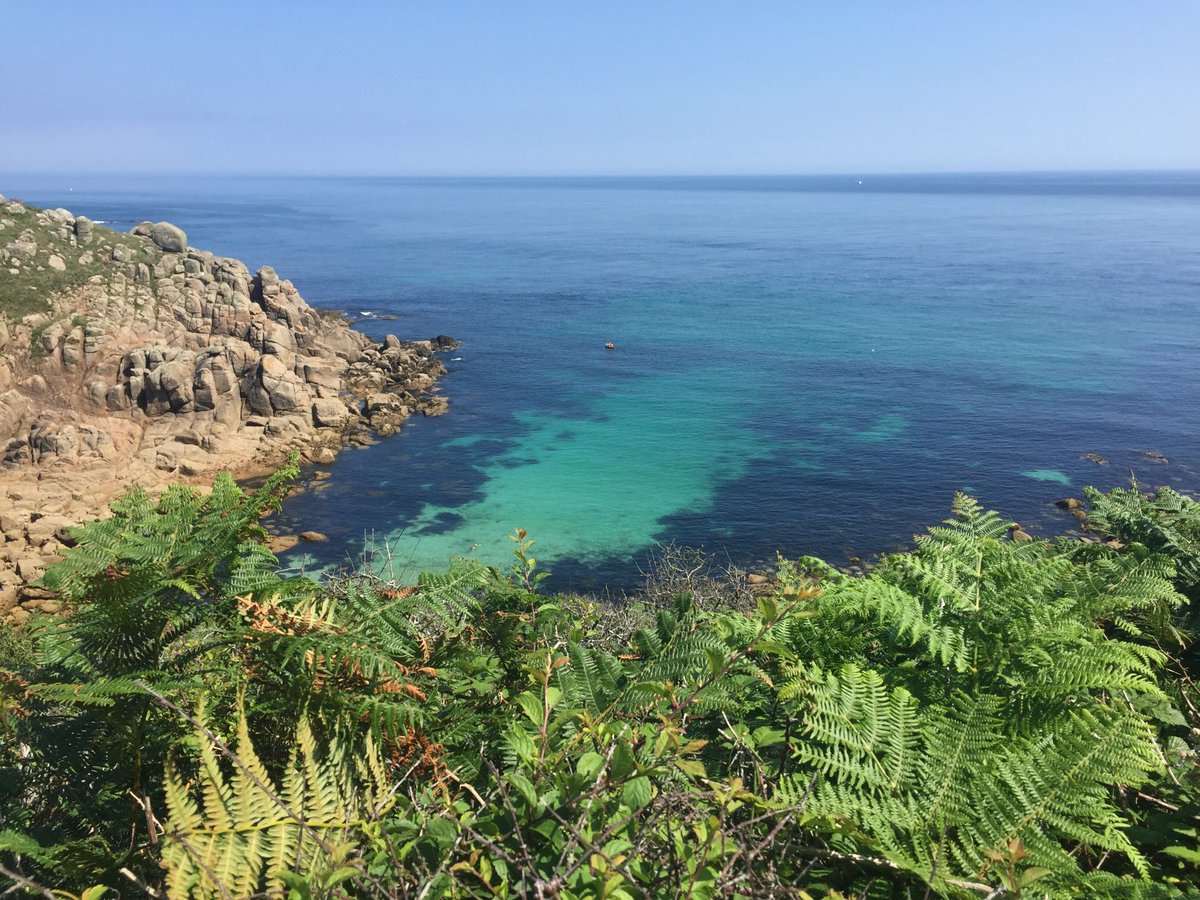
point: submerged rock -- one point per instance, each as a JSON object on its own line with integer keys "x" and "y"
{"x": 278, "y": 543}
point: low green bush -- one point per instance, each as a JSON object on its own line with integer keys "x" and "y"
{"x": 975, "y": 718}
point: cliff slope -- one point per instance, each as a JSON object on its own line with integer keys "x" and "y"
{"x": 136, "y": 359}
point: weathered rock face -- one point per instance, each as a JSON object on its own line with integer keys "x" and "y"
{"x": 83, "y": 229}
{"x": 168, "y": 237}
{"x": 173, "y": 363}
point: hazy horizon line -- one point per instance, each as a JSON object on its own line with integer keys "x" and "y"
{"x": 590, "y": 175}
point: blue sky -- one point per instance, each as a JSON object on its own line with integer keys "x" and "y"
{"x": 553, "y": 88}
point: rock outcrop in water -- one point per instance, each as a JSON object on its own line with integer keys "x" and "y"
{"x": 134, "y": 359}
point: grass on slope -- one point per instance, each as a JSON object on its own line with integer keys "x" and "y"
{"x": 30, "y": 286}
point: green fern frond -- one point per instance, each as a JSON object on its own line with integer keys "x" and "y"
{"x": 244, "y": 827}
{"x": 859, "y": 733}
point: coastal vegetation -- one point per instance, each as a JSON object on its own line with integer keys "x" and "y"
{"x": 986, "y": 715}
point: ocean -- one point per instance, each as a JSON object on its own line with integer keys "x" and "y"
{"x": 802, "y": 365}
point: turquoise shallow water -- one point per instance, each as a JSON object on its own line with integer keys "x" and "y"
{"x": 612, "y": 472}
{"x": 804, "y": 365}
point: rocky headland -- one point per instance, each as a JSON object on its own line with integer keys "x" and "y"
{"x": 132, "y": 358}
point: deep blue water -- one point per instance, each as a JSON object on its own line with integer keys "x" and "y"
{"x": 804, "y": 365}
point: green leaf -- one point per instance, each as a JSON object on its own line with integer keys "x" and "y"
{"x": 296, "y": 883}
{"x": 716, "y": 660}
{"x": 1187, "y": 854}
{"x": 520, "y": 742}
{"x": 653, "y": 687}
{"x": 345, "y": 873}
{"x": 1032, "y": 874}
{"x": 636, "y": 792}
{"x": 531, "y": 705}
{"x": 768, "y": 647}
{"x": 623, "y": 760}
{"x": 442, "y": 832}
{"x": 1169, "y": 715}
{"x": 766, "y": 736}
{"x": 767, "y": 608}
{"x": 589, "y": 764}
{"x": 524, "y": 787}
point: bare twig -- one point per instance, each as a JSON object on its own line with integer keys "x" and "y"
{"x": 145, "y": 888}
{"x": 27, "y": 883}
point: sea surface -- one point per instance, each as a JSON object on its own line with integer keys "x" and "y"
{"x": 802, "y": 365}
